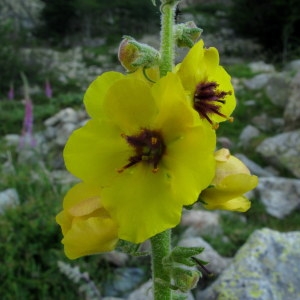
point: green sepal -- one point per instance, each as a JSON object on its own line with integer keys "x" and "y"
{"x": 182, "y": 255}
{"x": 186, "y": 34}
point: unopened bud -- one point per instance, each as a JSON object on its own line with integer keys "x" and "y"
{"x": 187, "y": 34}
{"x": 185, "y": 280}
{"x": 133, "y": 55}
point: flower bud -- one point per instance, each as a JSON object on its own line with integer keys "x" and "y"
{"x": 232, "y": 180}
{"x": 187, "y": 34}
{"x": 185, "y": 279}
{"x": 134, "y": 55}
{"x": 86, "y": 226}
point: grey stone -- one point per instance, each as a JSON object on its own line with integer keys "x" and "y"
{"x": 144, "y": 292}
{"x": 67, "y": 115}
{"x": 199, "y": 222}
{"x": 292, "y": 111}
{"x": 293, "y": 65}
{"x": 63, "y": 177}
{"x": 261, "y": 67}
{"x": 117, "y": 258}
{"x": 224, "y": 142}
{"x": 8, "y": 198}
{"x": 254, "y": 168}
{"x": 280, "y": 196}
{"x": 283, "y": 150}
{"x": 247, "y": 135}
{"x": 216, "y": 264}
{"x": 64, "y": 132}
{"x": 257, "y": 82}
{"x": 278, "y": 89}
{"x": 265, "y": 268}
{"x": 12, "y": 139}
{"x": 265, "y": 123}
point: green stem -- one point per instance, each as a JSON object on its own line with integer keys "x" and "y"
{"x": 167, "y": 38}
{"x": 160, "y": 248}
{"x": 161, "y": 243}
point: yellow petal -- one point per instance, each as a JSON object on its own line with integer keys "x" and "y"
{"x": 240, "y": 204}
{"x": 211, "y": 58}
{"x": 192, "y": 67}
{"x": 222, "y": 78}
{"x": 175, "y": 114}
{"x": 191, "y": 162}
{"x": 231, "y": 187}
{"x": 129, "y": 104}
{"x": 93, "y": 98}
{"x": 83, "y": 193}
{"x": 143, "y": 203}
{"x": 65, "y": 221}
{"x": 91, "y": 236}
{"x": 95, "y": 152}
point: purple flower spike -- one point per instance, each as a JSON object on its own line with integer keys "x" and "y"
{"x": 48, "y": 89}
{"x": 11, "y": 92}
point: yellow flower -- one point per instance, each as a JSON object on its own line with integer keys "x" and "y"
{"x": 231, "y": 181}
{"x": 208, "y": 85}
{"x": 147, "y": 149}
{"x": 86, "y": 225}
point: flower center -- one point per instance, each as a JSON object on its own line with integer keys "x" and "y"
{"x": 149, "y": 147}
{"x": 208, "y": 100}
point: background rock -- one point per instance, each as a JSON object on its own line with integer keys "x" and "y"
{"x": 292, "y": 110}
{"x": 280, "y": 196}
{"x": 283, "y": 150}
{"x": 8, "y": 198}
{"x": 265, "y": 268}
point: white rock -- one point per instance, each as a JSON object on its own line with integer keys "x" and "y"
{"x": 200, "y": 222}
{"x": 247, "y": 135}
{"x": 279, "y": 195}
{"x": 257, "y": 82}
{"x": 254, "y": 168}
{"x": 64, "y": 132}
{"x": 8, "y": 198}
{"x": 261, "y": 67}
{"x": 67, "y": 115}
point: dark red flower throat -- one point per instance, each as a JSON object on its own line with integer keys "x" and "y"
{"x": 208, "y": 100}
{"x": 149, "y": 147}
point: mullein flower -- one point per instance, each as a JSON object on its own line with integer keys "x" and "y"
{"x": 147, "y": 149}
{"x": 207, "y": 84}
{"x": 232, "y": 180}
{"x": 86, "y": 225}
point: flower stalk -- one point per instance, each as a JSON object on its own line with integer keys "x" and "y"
{"x": 167, "y": 37}
{"x": 160, "y": 244}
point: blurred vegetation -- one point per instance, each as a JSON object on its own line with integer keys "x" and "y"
{"x": 274, "y": 24}
{"x": 64, "y": 20}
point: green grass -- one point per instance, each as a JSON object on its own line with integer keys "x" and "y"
{"x": 12, "y": 112}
